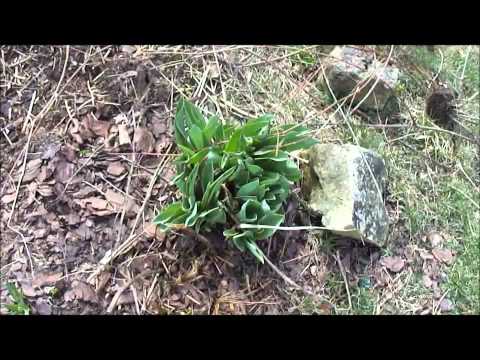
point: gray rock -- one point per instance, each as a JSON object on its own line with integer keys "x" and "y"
{"x": 347, "y": 66}
{"x": 341, "y": 189}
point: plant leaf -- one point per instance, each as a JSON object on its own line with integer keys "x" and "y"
{"x": 206, "y": 174}
{"x": 249, "y": 189}
{"x": 172, "y": 210}
{"x": 254, "y": 126}
{"x": 255, "y": 250}
{"x": 192, "y": 114}
{"x": 212, "y": 128}
{"x": 196, "y": 136}
{"x": 235, "y": 144}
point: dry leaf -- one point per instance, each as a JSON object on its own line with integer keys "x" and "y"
{"x": 28, "y": 290}
{"x": 143, "y": 140}
{"x": 73, "y": 218}
{"x": 116, "y": 168}
{"x": 97, "y": 203}
{"x": 6, "y": 199}
{"x": 103, "y": 279}
{"x": 159, "y": 126}
{"x": 445, "y": 256}
{"x": 115, "y": 199}
{"x": 70, "y": 153}
{"x": 84, "y": 192}
{"x": 45, "y": 190}
{"x": 129, "y": 49}
{"x": 43, "y": 175}
{"x": 63, "y": 171}
{"x": 424, "y": 254}
{"x": 43, "y": 279}
{"x": 32, "y": 170}
{"x": 98, "y": 127}
{"x": 213, "y": 70}
{"x": 97, "y": 206}
{"x": 393, "y": 263}
{"x": 123, "y": 137}
{"x": 150, "y": 230}
{"x": 40, "y": 233}
{"x": 50, "y": 151}
{"x": 125, "y": 298}
{"x": 81, "y": 291}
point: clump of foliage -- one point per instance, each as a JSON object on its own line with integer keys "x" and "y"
{"x": 232, "y": 176}
{"x": 18, "y": 307}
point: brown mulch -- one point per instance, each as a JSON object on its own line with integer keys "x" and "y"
{"x": 77, "y": 238}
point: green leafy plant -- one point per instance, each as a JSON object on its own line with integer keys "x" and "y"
{"x": 232, "y": 177}
{"x": 18, "y": 307}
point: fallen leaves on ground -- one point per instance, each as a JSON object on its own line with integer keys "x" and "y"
{"x": 393, "y": 263}
{"x": 81, "y": 291}
{"x": 123, "y": 137}
{"x": 116, "y": 168}
{"x": 98, "y": 127}
{"x": 31, "y": 170}
{"x": 6, "y": 199}
{"x": 143, "y": 140}
{"x": 43, "y": 279}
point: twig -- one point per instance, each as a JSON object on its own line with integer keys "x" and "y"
{"x": 283, "y": 228}
{"x": 115, "y": 299}
{"x": 285, "y": 277}
{"x": 190, "y": 232}
{"x": 466, "y": 176}
{"x": 344, "y": 276}
{"x": 160, "y": 167}
{"x": 124, "y": 210}
{"x": 439, "y": 69}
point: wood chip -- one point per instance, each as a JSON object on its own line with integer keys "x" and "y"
{"x": 45, "y": 190}
{"x": 123, "y": 137}
{"x": 42, "y": 279}
{"x": 32, "y": 170}
{"x": 143, "y": 140}
{"x": 98, "y": 127}
{"x": 40, "y": 233}
{"x": 7, "y": 199}
{"x": 115, "y": 199}
{"x": 81, "y": 291}
{"x": 116, "y": 168}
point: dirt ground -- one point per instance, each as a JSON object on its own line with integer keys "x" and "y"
{"x": 86, "y": 156}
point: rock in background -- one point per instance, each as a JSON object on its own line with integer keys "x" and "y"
{"x": 341, "y": 189}
{"x": 348, "y": 67}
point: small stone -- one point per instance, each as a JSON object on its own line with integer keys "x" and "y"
{"x": 347, "y": 67}
{"x": 434, "y": 238}
{"x": 446, "y": 305}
